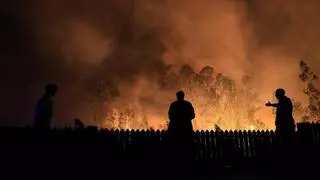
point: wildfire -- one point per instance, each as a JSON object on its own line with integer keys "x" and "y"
{"x": 216, "y": 100}
{"x": 214, "y": 97}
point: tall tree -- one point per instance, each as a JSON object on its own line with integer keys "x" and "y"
{"x": 309, "y": 79}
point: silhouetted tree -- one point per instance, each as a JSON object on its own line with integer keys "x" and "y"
{"x": 309, "y": 79}
{"x": 169, "y": 79}
{"x": 205, "y": 76}
{"x": 186, "y": 71}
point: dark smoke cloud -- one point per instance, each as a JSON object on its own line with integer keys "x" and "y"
{"x": 291, "y": 26}
{"x": 283, "y": 32}
{"x": 68, "y": 42}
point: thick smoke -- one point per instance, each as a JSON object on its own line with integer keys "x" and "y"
{"x": 130, "y": 43}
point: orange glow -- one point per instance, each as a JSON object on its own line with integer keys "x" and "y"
{"x": 131, "y": 42}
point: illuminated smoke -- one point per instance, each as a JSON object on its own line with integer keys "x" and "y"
{"x": 131, "y": 42}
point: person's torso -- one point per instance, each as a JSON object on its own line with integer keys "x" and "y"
{"x": 181, "y": 113}
{"x": 284, "y": 111}
{"x": 44, "y": 108}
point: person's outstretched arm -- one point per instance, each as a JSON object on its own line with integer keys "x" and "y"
{"x": 271, "y": 104}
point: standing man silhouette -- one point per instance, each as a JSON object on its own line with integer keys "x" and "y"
{"x": 44, "y": 108}
{"x": 285, "y": 125}
{"x": 181, "y": 113}
{"x": 285, "y": 128}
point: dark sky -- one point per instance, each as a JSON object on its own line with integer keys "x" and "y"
{"x": 22, "y": 63}
{"x": 16, "y": 64}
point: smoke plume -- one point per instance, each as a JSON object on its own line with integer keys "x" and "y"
{"x": 131, "y": 42}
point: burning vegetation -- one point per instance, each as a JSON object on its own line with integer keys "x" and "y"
{"x": 215, "y": 97}
{"x": 218, "y": 101}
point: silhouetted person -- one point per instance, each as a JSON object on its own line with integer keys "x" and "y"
{"x": 181, "y": 113}
{"x": 44, "y": 108}
{"x": 285, "y": 125}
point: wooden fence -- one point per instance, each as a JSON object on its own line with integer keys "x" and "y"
{"x": 221, "y": 148}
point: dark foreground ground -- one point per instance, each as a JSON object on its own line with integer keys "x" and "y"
{"x": 87, "y": 154}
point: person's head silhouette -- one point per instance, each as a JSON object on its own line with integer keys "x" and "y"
{"x": 280, "y": 93}
{"x": 51, "y": 89}
{"x": 180, "y": 95}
